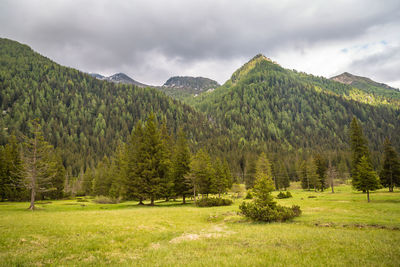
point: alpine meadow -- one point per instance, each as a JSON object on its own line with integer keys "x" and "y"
{"x": 214, "y": 154}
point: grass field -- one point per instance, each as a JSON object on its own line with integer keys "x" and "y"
{"x": 338, "y": 229}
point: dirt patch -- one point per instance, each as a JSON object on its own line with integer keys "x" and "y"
{"x": 213, "y": 232}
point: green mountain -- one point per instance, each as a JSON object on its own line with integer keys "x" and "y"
{"x": 369, "y": 89}
{"x": 269, "y": 107}
{"x": 85, "y": 118}
{"x": 188, "y": 87}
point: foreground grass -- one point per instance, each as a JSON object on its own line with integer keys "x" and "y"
{"x": 334, "y": 230}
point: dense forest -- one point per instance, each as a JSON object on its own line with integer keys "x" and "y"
{"x": 300, "y": 120}
{"x": 83, "y": 117}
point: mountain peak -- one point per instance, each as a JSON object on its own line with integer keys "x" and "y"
{"x": 257, "y": 62}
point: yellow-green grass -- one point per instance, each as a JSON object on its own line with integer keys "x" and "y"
{"x": 338, "y": 229}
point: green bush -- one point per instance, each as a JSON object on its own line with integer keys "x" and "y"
{"x": 213, "y": 201}
{"x": 249, "y": 195}
{"x": 269, "y": 213}
{"x": 105, "y": 200}
{"x": 284, "y": 195}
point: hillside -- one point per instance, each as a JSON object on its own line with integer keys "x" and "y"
{"x": 187, "y": 87}
{"x": 265, "y": 105}
{"x": 366, "y": 84}
{"x": 85, "y": 118}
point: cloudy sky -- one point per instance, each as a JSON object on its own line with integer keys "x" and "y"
{"x": 153, "y": 40}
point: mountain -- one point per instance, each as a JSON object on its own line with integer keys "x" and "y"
{"x": 272, "y": 108}
{"x": 118, "y": 78}
{"x": 83, "y": 117}
{"x": 186, "y": 87}
{"x": 367, "y": 85}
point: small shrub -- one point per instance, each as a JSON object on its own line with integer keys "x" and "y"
{"x": 105, "y": 200}
{"x": 312, "y": 196}
{"x": 213, "y": 201}
{"x": 249, "y": 195}
{"x": 269, "y": 213}
{"x": 284, "y": 195}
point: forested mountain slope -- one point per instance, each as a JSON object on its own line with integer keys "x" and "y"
{"x": 265, "y": 105}
{"x": 85, "y": 118}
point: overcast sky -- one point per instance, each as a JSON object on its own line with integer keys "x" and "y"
{"x": 153, "y": 40}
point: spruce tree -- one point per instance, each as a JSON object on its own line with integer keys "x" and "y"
{"x": 359, "y": 148}
{"x": 181, "y": 166}
{"x": 264, "y": 184}
{"x": 390, "y": 174}
{"x": 367, "y": 179}
{"x": 320, "y": 164}
{"x": 165, "y": 168}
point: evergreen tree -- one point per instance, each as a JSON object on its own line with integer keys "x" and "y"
{"x": 165, "y": 168}
{"x": 202, "y": 173}
{"x": 390, "y": 174}
{"x": 222, "y": 177}
{"x": 320, "y": 164}
{"x": 303, "y": 173}
{"x": 367, "y": 179}
{"x": 37, "y": 164}
{"x": 359, "y": 148}
{"x": 181, "y": 166}
{"x": 264, "y": 184}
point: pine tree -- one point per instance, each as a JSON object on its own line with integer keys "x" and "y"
{"x": 202, "y": 173}
{"x": 135, "y": 185}
{"x": 37, "y": 164}
{"x": 359, "y": 148}
{"x": 181, "y": 166}
{"x": 166, "y": 183}
{"x": 303, "y": 173}
{"x": 320, "y": 164}
{"x": 222, "y": 177}
{"x": 390, "y": 174}
{"x": 367, "y": 179}
{"x": 152, "y": 155}
{"x": 264, "y": 184}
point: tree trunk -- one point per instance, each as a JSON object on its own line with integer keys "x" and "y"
{"x": 141, "y": 201}
{"x": 390, "y": 188}
{"x": 183, "y": 199}
{"x": 368, "y": 195}
{"x": 152, "y": 201}
{"x": 219, "y": 195}
{"x": 166, "y": 199}
{"x": 194, "y": 193}
{"x": 333, "y": 191}
{"x": 32, "y": 206}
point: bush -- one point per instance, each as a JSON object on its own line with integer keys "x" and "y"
{"x": 283, "y": 195}
{"x": 269, "y": 213}
{"x": 105, "y": 200}
{"x": 249, "y": 195}
{"x": 211, "y": 202}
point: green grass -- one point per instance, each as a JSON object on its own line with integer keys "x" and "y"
{"x": 334, "y": 230}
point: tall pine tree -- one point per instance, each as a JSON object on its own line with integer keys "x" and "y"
{"x": 390, "y": 174}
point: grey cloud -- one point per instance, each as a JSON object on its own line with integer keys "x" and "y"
{"x": 383, "y": 66}
{"x": 112, "y": 36}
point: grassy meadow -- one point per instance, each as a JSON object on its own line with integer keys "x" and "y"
{"x": 334, "y": 230}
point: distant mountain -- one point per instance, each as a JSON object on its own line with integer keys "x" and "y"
{"x": 182, "y": 87}
{"x": 367, "y": 85}
{"x": 119, "y": 78}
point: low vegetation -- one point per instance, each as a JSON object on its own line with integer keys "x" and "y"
{"x": 213, "y": 202}
{"x": 340, "y": 229}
